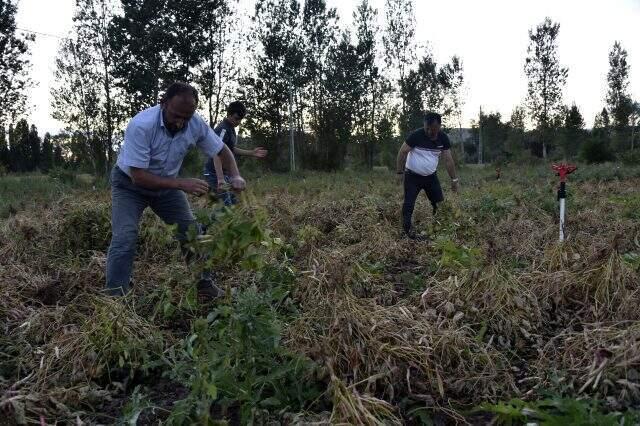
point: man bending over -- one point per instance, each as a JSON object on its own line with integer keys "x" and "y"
{"x": 418, "y": 162}
{"x": 155, "y": 144}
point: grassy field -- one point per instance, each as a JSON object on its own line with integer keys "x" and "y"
{"x": 30, "y": 191}
{"x": 335, "y": 318}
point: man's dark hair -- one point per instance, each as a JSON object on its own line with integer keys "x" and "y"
{"x": 178, "y": 88}
{"x": 237, "y": 107}
{"x": 432, "y": 117}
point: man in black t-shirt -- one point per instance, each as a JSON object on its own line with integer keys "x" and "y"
{"x": 236, "y": 112}
{"x": 418, "y": 162}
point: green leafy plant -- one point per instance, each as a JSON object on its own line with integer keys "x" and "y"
{"x": 121, "y": 338}
{"x": 137, "y": 403}
{"x": 632, "y": 259}
{"x": 62, "y": 175}
{"x": 631, "y": 204}
{"x": 557, "y": 411}
{"x": 454, "y": 256}
{"x": 233, "y": 238}
{"x": 235, "y": 356}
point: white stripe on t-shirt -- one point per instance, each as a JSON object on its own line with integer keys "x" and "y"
{"x": 423, "y": 161}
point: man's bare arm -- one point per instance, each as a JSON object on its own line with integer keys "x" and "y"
{"x": 451, "y": 169}
{"x": 449, "y": 164}
{"x": 402, "y": 157}
{"x": 257, "y": 152}
{"x": 144, "y": 179}
{"x": 229, "y": 163}
{"x": 217, "y": 166}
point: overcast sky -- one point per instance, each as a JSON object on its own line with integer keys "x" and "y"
{"x": 489, "y": 35}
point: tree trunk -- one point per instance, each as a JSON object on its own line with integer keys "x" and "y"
{"x": 210, "y": 100}
{"x": 373, "y": 126}
{"x": 218, "y": 94}
{"x": 461, "y": 142}
{"x": 107, "y": 90}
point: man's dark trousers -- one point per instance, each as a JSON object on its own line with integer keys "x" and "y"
{"x": 128, "y": 203}
{"x": 413, "y": 184}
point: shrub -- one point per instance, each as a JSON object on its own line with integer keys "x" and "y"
{"x": 235, "y": 356}
{"x": 631, "y": 158}
{"x": 557, "y": 411}
{"x": 85, "y": 228}
{"x": 62, "y": 175}
{"x": 596, "y": 151}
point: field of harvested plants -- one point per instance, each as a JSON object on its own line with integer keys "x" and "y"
{"x": 331, "y": 316}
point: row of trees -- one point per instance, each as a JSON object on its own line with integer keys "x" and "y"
{"x": 559, "y": 126}
{"x": 293, "y": 65}
{"x": 509, "y": 140}
{"x": 22, "y": 149}
{"x": 342, "y": 93}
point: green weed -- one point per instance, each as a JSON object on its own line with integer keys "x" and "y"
{"x": 234, "y": 238}
{"x": 630, "y": 204}
{"x": 557, "y": 412}
{"x": 235, "y": 356}
{"x": 633, "y": 259}
{"x": 454, "y": 256}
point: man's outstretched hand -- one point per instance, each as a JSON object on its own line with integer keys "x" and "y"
{"x": 260, "y": 152}
{"x": 193, "y": 186}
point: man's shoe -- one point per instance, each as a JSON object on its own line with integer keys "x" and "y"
{"x": 208, "y": 291}
{"x": 411, "y": 235}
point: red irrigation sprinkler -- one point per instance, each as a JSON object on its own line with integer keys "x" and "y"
{"x": 563, "y": 170}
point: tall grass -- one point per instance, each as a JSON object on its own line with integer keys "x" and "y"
{"x": 24, "y": 192}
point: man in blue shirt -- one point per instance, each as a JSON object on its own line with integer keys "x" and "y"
{"x": 236, "y": 112}
{"x": 146, "y": 175}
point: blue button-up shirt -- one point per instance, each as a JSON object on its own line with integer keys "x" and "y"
{"x": 149, "y": 145}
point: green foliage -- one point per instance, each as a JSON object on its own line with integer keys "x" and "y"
{"x": 557, "y": 412}
{"x": 26, "y": 192}
{"x": 631, "y": 157}
{"x": 493, "y": 206}
{"x": 494, "y": 137}
{"x": 235, "y": 355}
{"x": 595, "y": 150}
{"x": 278, "y": 64}
{"x": 618, "y": 98}
{"x": 233, "y": 238}
{"x": 631, "y": 204}
{"x": 572, "y": 135}
{"x": 454, "y": 256}
{"x": 308, "y": 234}
{"x": 546, "y": 79}
{"x": 121, "y": 338}
{"x": 633, "y": 259}
{"x": 85, "y": 229}
{"x": 14, "y": 67}
{"x": 62, "y": 175}
{"x": 137, "y": 403}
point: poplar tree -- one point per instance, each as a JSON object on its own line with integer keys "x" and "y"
{"x": 546, "y": 80}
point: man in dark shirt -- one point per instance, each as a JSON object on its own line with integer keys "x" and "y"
{"x": 236, "y": 111}
{"x": 418, "y": 163}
